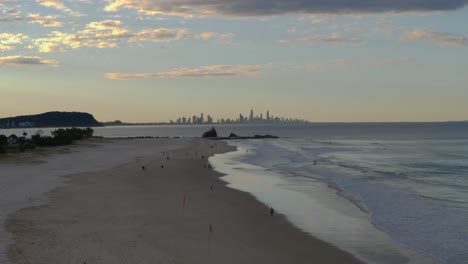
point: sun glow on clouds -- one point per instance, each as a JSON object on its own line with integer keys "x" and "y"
{"x": 296, "y": 48}
{"x": 436, "y": 37}
{"x": 204, "y": 72}
{"x": 333, "y": 38}
{"x": 7, "y": 40}
{"x": 46, "y": 21}
{"x": 25, "y": 60}
{"x": 111, "y": 33}
{"x": 57, "y": 4}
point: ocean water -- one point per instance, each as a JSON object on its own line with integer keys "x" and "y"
{"x": 411, "y": 180}
{"x": 386, "y": 192}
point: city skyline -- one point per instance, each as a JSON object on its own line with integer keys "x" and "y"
{"x": 251, "y": 119}
{"x": 141, "y": 61}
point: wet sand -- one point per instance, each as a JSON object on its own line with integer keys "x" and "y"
{"x": 162, "y": 214}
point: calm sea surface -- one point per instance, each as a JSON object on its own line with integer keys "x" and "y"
{"x": 409, "y": 180}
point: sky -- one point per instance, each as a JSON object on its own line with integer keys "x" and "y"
{"x": 155, "y": 61}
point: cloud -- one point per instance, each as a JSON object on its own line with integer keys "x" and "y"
{"x": 436, "y": 37}
{"x": 7, "y": 40}
{"x": 12, "y": 11}
{"x": 105, "y": 25}
{"x": 47, "y": 47}
{"x": 346, "y": 63}
{"x": 332, "y": 38}
{"x": 160, "y": 35}
{"x": 319, "y": 18}
{"x": 222, "y": 38}
{"x": 109, "y": 33}
{"x": 46, "y": 21}
{"x": 206, "y": 72}
{"x": 10, "y": 19}
{"x": 57, "y": 4}
{"x": 242, "y": 8}
{"x": 25, "y": 60}
{"x": 293, "y": 67}
{"x": 398, "y": 61}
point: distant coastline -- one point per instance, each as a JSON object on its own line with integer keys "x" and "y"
{"x": 50, "y": 119}
{"x": 120, "y": 123}
{"x": 58, "y": 119}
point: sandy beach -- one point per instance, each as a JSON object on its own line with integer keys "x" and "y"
{"x": 106, "y": 209}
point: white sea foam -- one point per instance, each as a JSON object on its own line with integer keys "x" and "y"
{"x": 393, "y": 196}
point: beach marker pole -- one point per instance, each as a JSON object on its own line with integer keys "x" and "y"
{"x": 209, "y": 239}
{"x": 184, "y": 200}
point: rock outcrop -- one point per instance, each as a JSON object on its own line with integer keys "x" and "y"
{"x": 210, "y": 133}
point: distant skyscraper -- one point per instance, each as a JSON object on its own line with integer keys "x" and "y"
{"x": 208, "y": 119}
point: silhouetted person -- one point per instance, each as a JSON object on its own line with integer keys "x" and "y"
{"x": 162, "y": 166}
{"x": 167, "y": 157}
{"x": 203, "y": 157}
{"x": 315, "y": 162}
{"x": 143, "y": 168}
{"x": 211, "y": 188}
{"x": 272, "y": 211}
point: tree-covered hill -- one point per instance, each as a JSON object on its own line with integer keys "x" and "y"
{"x": 51, "y": 119}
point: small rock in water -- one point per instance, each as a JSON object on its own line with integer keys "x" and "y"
{"x": 210, "y": 133}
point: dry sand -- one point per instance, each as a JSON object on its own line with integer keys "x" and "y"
{"x": 127, "y": 215}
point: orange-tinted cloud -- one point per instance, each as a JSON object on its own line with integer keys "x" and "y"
{"x": 25, "y": 60}
{"x": 8, "y": 40}
{"x": 57, "y": 4}
{"x": 109, "y": 33}
{"x": 46, "y": 21}
{"x": 332, "y": 39}
{"x": 436, "y": 37}
{"x": 206, "y": 72}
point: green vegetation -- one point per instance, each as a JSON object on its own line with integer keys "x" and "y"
{"x": 3, "y": 143}
{"x": 51, "y": 119}
{"x": 60, "y": 137}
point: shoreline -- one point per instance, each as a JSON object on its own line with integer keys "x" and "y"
{"x": 319, "y": 202}
{"x": 243, "y": 229}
